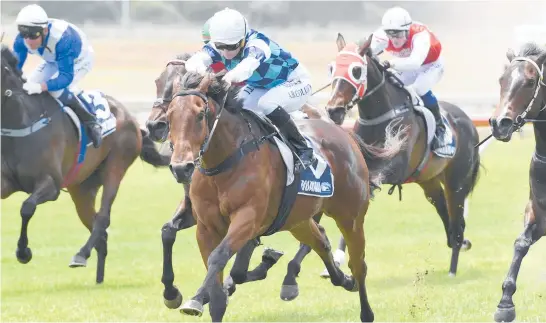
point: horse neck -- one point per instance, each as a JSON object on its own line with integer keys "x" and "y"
{"x": 379, "y": 102}
{"x": 540, "y": 128}
{"x": 228, "y": 137}
{"x": 21, "y": 110}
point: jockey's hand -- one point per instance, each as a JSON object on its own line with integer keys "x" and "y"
{"x": 32, "y": 88}
{"x": 386, "y": 64}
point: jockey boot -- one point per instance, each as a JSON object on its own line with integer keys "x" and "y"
{"x": 94, "y": 129}
{"x": 440, "y": 127}
{"x": 288, "y": 127}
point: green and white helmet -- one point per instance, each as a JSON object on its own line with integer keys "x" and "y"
{"x": 205, "y": 32}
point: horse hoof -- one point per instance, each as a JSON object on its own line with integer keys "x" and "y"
{"x": 175, "y": 302}
{"x": 23, "y": 255}
{"x": 325, "y": 274}
{"x": 289, "y": 292}
{"x": 192, "y": 308}
{"x": 78, "y": 261}
{"x": 505, "y": 314}
{"x": 451, "y": 274}
{"x": 467, "y": 245}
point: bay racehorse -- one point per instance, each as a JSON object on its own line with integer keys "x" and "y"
{"x": 45, "y": 149}
{"x": 246, "y": 185}
{"x": 183, "y": 217}
{"x": 523, "y": 99}
{"x": 446, "y": 176}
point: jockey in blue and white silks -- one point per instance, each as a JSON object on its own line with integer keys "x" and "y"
{"x": 276, "y": 82}
{"x": 67, "y": 56}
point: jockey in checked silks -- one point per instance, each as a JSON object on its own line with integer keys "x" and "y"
{"x": 67, "y": 56}
{"x": 276, "y": 82}
{"x": 418, "y": 59}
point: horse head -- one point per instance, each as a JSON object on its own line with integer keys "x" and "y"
{"x": 521, "y": 85}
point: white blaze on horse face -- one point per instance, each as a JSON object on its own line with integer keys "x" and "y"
{"x": 514, "y": 77}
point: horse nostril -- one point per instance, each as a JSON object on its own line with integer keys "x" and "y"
{"x": 506, "y": 122}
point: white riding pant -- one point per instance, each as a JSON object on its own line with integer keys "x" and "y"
{"x": 290, "y": 95}
{"x": 48, "y": 70}
{"x": 425, "y": 77}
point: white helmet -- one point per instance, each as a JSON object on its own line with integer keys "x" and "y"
{"x": 396, "y": 18}
{"x": 32, "y": 16}
{"x": 228, "y": 26}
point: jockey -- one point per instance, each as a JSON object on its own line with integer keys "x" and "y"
{"x": 66, "y": 53}
{"x": 276, "y": 82}
{"x": 417, "y": 58}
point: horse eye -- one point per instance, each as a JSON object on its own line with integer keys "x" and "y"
{"x": 200, "y": 116}
{"x": 357, "y": 72}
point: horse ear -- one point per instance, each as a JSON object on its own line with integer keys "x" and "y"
{"x": 510, "y": 54}
{"x": 363, "y": 48}
{"x": 340, "y": 41}
{"x": 205, "y": 83}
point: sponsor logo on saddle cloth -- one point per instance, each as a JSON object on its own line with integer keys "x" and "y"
{"x": 351, "y": 67}
{"x": 316, "y": 180}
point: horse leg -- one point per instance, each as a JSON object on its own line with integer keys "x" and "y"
{"x": 240, "y": 231}
{"x": 239, "y": 271}
{"x": 270, "y": 257}
{"x": 84, "y": 199}
{"x": 455, "y": 198}
{"x": 289, "y": 289}
{"x": 353, "y": 231}
{"x": 115, "y": 169}
{"x": 44, "y": 190}
{"x": 339, "y": 257}
{"x": 533, "y": 230}
{"x": 313, "y": 235}
{"x": 436, "y": 196}
{"x": 182, "y": 219}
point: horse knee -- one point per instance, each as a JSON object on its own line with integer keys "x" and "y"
{"x": 521, "y": 246}
{"x": 168, "y": 233}
{"x": 238, "y": 276}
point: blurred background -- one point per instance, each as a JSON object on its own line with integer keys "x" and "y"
{"x": 133, "y": 40}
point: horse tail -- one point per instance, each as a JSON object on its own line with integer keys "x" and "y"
{"x": 395, "y": 141}
{"x": 150, "y": 154}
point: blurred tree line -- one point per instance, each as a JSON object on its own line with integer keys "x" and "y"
{"x": 262, "y": 13}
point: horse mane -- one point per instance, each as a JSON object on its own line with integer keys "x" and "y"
{"x": 11, "y": 60}
{"x": 183, "y": 56}
{"x": 217, "y": 90}
{"x": 531, "y": 49}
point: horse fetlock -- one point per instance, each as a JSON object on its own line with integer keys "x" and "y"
{"x": 509, "y": 286}
{"x": 24, "y": 255}
{"x": 294, "y": 268}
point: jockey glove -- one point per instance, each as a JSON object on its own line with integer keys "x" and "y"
{"x": 32, "y": 88}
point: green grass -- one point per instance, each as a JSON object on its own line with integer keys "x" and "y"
{"x": 407, "y": 258}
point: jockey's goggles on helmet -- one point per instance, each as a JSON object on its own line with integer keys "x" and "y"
{"x": 30, "y": 32}
{"x": 395, "y": 33}
{"x": 222, "y": 46}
